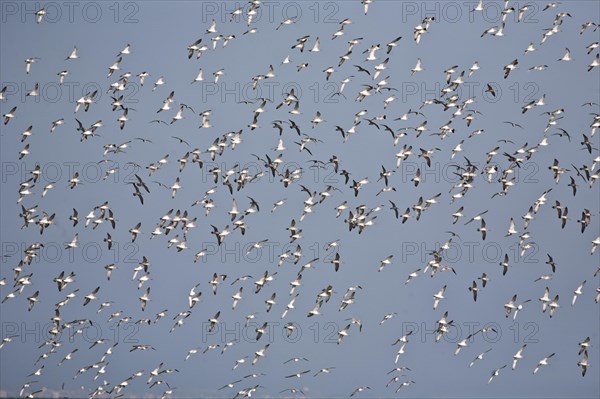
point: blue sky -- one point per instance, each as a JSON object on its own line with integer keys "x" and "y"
{"x": 159, "y": 33}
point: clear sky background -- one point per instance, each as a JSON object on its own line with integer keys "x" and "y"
{"x": 159, "y": 33}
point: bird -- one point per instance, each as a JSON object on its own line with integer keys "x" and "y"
{"x": 343, "y": 333}
{"x": 510, "y": 67}
{"x": 394, "y": 43}
{"x": 32, "y": 300}
{"x": 134, "y": 231}
{"x": 91, "y": 296}
{"x": 73, "y": 54}
{"x": 270, "y": 302}
{"x": 237, "y": 297}
{"x": 553, "y": 305}
{"x": 543, "y": 362}
{"x": 566, "y": 56}
{"x": 510, "y": 305}
{"x": 517, "y": 356}
{"x": 359, "y": 390}
{"x": 297, "y": 375}
{"x": 479, "y": 357}
{"x": 545, "y": 299}
{"x": 474, "y": 290}
{"x": 505, "y": 264}
{"x": 417, "y": 67}
{"x": 385, "y": 262}
{"x": 495, "y": 373}
{"x": 213, "y": 321}
{"x": 29, "y": 62}
{"x": 520, "y": 307}
{"x": 289, "y": 306}
{"x": 9, "y": 115}
{"x": 577, "y": 292}
{"x": 387, "y": 317}
{"x": 39, "y": 17}
{"x": 583, "y": 363}
{"x": 483, "y": 229}
{"x": 145, "y": 298}
{"x": 438, "y": 297}
{"x": 551, "y": 263}
{"x": 260, "y": 353}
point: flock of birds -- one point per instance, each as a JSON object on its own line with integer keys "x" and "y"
{"x": 368, "y": 63}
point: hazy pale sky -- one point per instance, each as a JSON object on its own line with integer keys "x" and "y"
{"x": 159, "y": 34}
